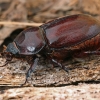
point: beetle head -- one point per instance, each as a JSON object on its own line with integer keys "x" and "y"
{"x": 12, "y": 48}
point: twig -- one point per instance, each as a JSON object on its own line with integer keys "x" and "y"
{"x": 19, "y": 23}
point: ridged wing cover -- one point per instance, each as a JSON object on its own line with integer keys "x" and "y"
{"x": 71, "y": 30}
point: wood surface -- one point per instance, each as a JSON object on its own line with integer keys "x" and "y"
{"x": 80, "y": 70}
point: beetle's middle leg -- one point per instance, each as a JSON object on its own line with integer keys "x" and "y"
{"x": 59, "y": 64}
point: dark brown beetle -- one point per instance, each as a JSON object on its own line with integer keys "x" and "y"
{"x": 70, "y": 36}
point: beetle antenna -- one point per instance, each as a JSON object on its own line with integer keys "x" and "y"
{"x": 6, "y": 62}
{"x": 7, "y": 56}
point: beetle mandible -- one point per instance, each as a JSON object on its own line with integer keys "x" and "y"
{"x": 58, "y": 39}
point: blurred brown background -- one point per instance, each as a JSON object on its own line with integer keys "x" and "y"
{"x": 44, "y": 10}
{"x": 41, "y": 11}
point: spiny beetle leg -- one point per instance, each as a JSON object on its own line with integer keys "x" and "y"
{"x": 30, "y": 70}
{"x": 32, "y": 67}
{"x": 93, "y": 52}
{"x": 59, "y": 64}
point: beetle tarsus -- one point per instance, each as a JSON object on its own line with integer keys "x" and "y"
{"x": 27, "y": 76}
{"x": 24, "y": 83}
{"x": 65, "y": 69}
{"x": 26, "y": 80}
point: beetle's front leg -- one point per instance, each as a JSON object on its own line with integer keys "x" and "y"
{"x": 59, "y": 64}
{"x": 31, "y": 69}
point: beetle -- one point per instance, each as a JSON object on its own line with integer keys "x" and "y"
{"x": 69, "y": 36}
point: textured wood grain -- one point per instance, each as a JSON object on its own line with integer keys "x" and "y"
{"x": 13, "y": 74}
{"x": 80, "y": 92}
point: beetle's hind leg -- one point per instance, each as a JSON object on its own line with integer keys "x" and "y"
{"x": 93, "y": 52}
{"x": 59, "y": 64}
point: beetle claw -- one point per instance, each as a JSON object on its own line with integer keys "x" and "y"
{"x": 24, "y": 83}
{"x": 27, "y": 75}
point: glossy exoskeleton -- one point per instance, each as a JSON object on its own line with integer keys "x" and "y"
{"x": 70, "y": 36}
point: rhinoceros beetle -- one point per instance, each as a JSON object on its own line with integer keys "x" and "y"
{"x": 70, "y": 36}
